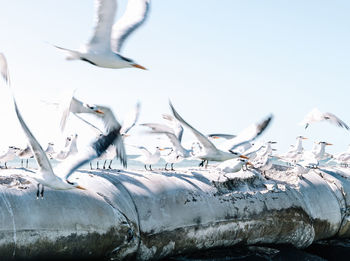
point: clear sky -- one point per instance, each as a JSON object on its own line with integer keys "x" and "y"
{"x": 224, "y": 64}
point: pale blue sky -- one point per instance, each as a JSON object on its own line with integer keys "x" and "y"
{"x": 224, "y": 64}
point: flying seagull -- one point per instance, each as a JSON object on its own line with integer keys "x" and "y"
{"x": 108, "y": 38}
{"x": 315, "y": 116}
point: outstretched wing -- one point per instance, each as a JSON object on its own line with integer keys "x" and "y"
{"x": 206, "y": 143}
{"x": 335, "y": 120}
{"x": 39, "y": 154}
{"x": 134, "y": 16}
{"x": 105, "y": 11}
{"x": 247, "y": 135}
{"x": 131, "y": 119}
{"x": 177, "y": 128}
{"x": 221, "y": 135}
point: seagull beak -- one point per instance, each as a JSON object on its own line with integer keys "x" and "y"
{"x": 215, "y": 137}
{"x": 78, "y": 187}
{"x": 126, "y": 135}
{"x": 329, "y": 144}
{"x": 249, "y": 163}
{"x": 304, "y": 138}
{"x": 99, "y": 111}
{"x": 161, "y": 149}
{"x": 243, "y": 157}
{"x": 138, "y": 66}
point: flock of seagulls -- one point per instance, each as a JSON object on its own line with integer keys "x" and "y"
{"x": 234, "y": 152}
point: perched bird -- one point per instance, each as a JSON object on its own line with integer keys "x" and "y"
{"x": 233, "y": 165}
{"x": 312, "y": 158}
{"x": 69, "y": 150}
{"x": 25, "y": 154}
{"x": 315, "y": 116}
{"x": 172, "y": 157}
{"x": 344, "y": 157}
{"x": 45, "y": 176}
{"x": 148, "y": 158}
{"x": 50, "y": 151}
{"x": 104, "y": 48}
{"x": 209, "y": 151}
{"x": 9, "y": 155}
{"x": 296, "y": 152}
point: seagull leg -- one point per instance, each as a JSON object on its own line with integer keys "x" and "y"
{"x": 146, "y": 167}
{"x": 22, "y": 163}
{"x": 150, "y": 168}
{"x": 42, "y": 191}
{"x": 90, "y": 166}
{"x": 201, "y": 164}
{"x": 97, "y": 167}
{"x": 104, "y": 164}
{"x": 166, "y": 164}
{"x": 27, "y": 163}
{"x": 172, "y": 166}
{"x": 37, "y": 191}
{"x": 110, "y": 165}
{"x": 5, "y": 165}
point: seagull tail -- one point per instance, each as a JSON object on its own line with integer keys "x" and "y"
{"x": 70, "y": 54}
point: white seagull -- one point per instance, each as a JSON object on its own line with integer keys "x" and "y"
{"x": 9, "y": 155}
{"x": 209, "y": 151}
{"x": 25, "y": 154}
{"x": 315, "y": 116}
{"x": 45, "y": 176}
{"x": 148, "y": 158}
{"x": 104, "y": 48}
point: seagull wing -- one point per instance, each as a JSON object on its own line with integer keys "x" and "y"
{"x": 247, "y": 135}
{"x": 111, "y": 123}
{"x": 105, "y": 11}
{"x": 178, "y": 129}
{"x": 131, "y": 119}
{"x": 206, "y": 143}
{"x": 96, "y": 149}
{"x": 39, "y": 154}
{"x": 4, "y": 69}
{"x": 163, "y": 129}
{"x": 134, "y": 16}
{"x": 221, "y": 135}
{"x": 335, "y": 120}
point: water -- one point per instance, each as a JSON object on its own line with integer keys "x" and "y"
{"x": 132, "y": 164}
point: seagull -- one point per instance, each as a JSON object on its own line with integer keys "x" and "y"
{"x": 233, "y": 165}
{"x": 209, "y": 151}
{"x": 10, "y": 155}
{"x": 311, "y": 159}
{"x": 246, "y": 136}
{"x": 104, "y": 48}
{"x": 296, "y": 152}
{"x": 69, "y": 150}
{"x": 70, "y": 104}
{"x": 171, "y": 158}
{"x": 45, "y": 176}
{"x": 50, "y": 152}
{"x": 343, "y": 157}
{"x": 315, "y": 116}
{"x": 25, "y": 154}
{"x": 148, "y": 158}
{"x": 105, "y": 114}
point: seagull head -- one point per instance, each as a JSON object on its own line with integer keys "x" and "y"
{"x": 131, "y": 63}
{"x": 74, "y": 184}
{"x": 94, "y": 108}
{"x": 301, "y": 137}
